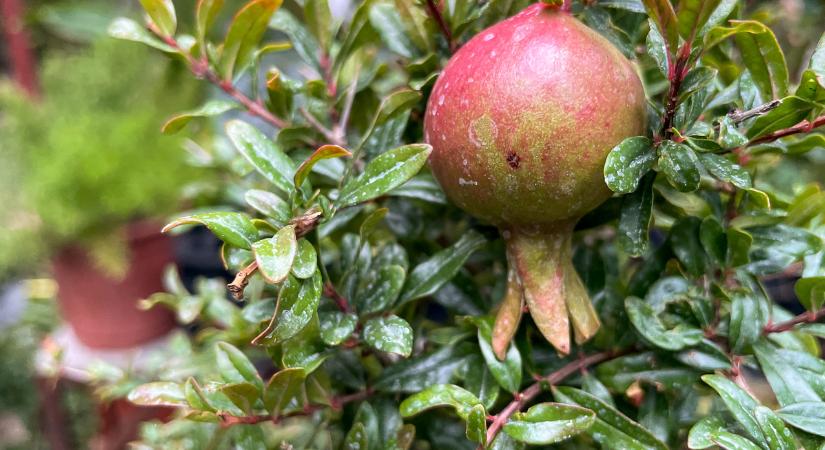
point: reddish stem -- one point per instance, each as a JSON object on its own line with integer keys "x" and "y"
{"x": 343, "y": 304}
{"x": 806, "y": 317}
{"x": 20, "y": 54}
{"x": 435, "y": 13}
{"x": 336, "y": 403}
{"x": 676, "y": 74}
{"x": 522, "y": 398}
{"x": 802, "y": 127}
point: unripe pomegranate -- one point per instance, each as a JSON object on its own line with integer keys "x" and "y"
{"x": 521, "y": 121}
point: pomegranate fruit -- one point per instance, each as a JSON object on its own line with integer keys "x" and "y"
{"x": 521, "y": 121}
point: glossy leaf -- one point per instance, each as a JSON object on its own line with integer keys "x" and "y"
{"x": 319, "y": 22}
{"x": 430, "y": 275}
{"x": 777, "y": 436}
{"x": 304, "y": 43}
{"x": 692, "y": 16}
{"x": 162, "y": 13}
{"x": 647, "y": 323}
{"x": 507, "y": 372}
{"x": 262, "y": 153}
{"x": 158, "y": 393}
{"x": 323, "y": 152}
{"x": 295, "y": 312}
{"x": 785, "y": 380}
{"x": 205, "y": 15}
{"x": 209, "y": 109}
{"x": 129, "y": 30}
{"x": 680, "y": 164}
{"x": 306, "y": 260}
{"x": 418, "y": 373}
{"x": 390, "y": 334}
{"x": 440, "y": 395}
{"x": 384, "y": 173}
{"x": 610, "y": 427}
{"x": 811, "y": 292}
{"x": 235, "y": 367}
{"x": 634, "y": 220}
{"x": 807, "y": 416}
{"x": 548, "y": 423}
{"x": 276, "y": 255}
{"x": 627, "y": 163}
{"x": 739, "y": 403}
{"x": 382, "y": 291}
{"x": 284, "y": 386}
{"x": 791, "y": 110}
{"x": 477, "y": 424}
{"x": 662, "y": 13}
{"x": 233, "y": 228}
{"x": 245, "y": 32}
{"x": 268, "y": 203}
{"x": 723, "y": 169}
{"x": 336, "y": 326}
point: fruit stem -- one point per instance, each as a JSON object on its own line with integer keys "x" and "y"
{"x": 552, "y": 289}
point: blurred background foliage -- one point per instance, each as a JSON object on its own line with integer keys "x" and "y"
{"x": 103, "y": 104}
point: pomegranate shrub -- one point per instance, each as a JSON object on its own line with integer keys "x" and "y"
{"x": 628, "y": 173}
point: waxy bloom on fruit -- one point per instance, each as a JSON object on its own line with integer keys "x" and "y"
{"x": 521, "y": 121}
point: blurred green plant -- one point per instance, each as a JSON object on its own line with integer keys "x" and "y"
{"x": 366, "y": 297}
{"x": 88, "y": 157}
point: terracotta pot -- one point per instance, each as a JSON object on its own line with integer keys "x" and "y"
{"x": 103, "y": 311}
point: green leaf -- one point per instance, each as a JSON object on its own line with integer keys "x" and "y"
{"x": 262, "y": 153}
{"x": 713, "y": 239}
{"x": 548, "y": 423}
{"x": 777, "y": 436}
{"x": 680, "y": 164}
{"x": 701, "y": 434}
{"x": 785, "y": 380}
{"x": 729, "y": 135}
{"x": 233, "y": 228}
{"x": 162, "y": 13}
{"x": 323, "y": 152}
{"x": 390, "y": 334}
{"x": 693, "y": 14}
{"x": 245, "y": 32}
{"x": 620, "y": 373}
{"x": 763, "y": 57}
{"x": 479, "y": 381}
{"x": 382, "y": 291}
{"x": 356, "y": 438}
{"x": 662, "y": 13}
{"x": 791, "y": 110}
{"x": 739, "y": 403}
{"x": 748, "y": 316}
{"x": 129, "y": 30}
{"x": 276, "y": 255}
{"x": 696, "y": 80}
{"x": 627, "y": 163}
{"x": 419, "y": 373}
{"x": 336, "y": 326}
{"x": 209, "y": 109}
{"x": 195, "y": 396}
{"x": 739, "y": 244}
{"x": 723, "y": 169}
{"x": 358, "y": 33}
{"x": 158, "y": 393}
{"x": 205, "y": 15}
{"x": 306, "y": 260}
{"x": 430, "y": 275}
{"x": 318, "y": 18}
{"x": 303, "y": 42}
{"x": 634, "y": 219}
{"x": 648, "y": 324}
{"x": 243, "y": 395}
{"x": 807, "y": 416}
{"x": 440, "y": 395}
{"x": 508, "y": 372}
{"x": 269, "y": 204}
{"x": 811, "y": 292}
{"x": 730, "y": 441}
{"x": 656, "y": 47}
{"x": 235, "y": 367}
{"x": 387, "y": 21}
{"x": 295, "y": 311}
{"x": 477, "y": 424}
{"x": 284, "y": 386}
{"x": 610, "y": 428}
{"x": 635, "y": 6}
{"x": 385, "y": 173}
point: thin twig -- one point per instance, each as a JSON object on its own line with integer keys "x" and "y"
{"x": 676, "y": 74}
{"x": 341, "y": 129}
{"x": 741, "y": 116}
{"x": 435, "y": 13}
{"x": 343, "y": 304}
{"x": 802, "y": 127}
{"x": 336, "y": 403}
{"x": 237, "y": 286}
{"x": 806, "y": 317}
{"x": 326, "y": 132}
{"x": 522, "y": 398}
